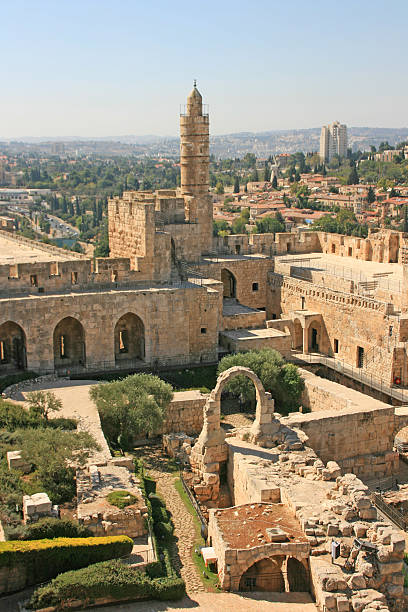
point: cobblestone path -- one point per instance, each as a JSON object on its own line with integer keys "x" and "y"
{"x": 158, "y": 466}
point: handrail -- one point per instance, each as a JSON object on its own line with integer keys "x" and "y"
{"x": 193, "y": 500}
{"x": 395, "y": 517}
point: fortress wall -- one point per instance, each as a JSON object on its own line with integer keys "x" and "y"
{"x": 172, "y": 320}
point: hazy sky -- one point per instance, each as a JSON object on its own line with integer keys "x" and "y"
{"x": 99, "y": 68}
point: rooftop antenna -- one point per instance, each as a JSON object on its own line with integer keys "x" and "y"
{"x": 195, "y": 82}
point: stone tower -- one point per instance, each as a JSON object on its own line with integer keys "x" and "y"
{"x": 195, "y": 161}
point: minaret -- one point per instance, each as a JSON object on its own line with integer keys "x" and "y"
{"x": 195, "y": 162}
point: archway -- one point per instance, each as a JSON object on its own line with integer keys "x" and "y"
{"x": 12, "y": 347}
{"x": 129, "y": 337}
{"x": 230, "y": 283}
{"x": 297, "y": 338}
{"x": 69, "y": 343}
{"x": 314, "y": 335}
{"x": 297, "y": 576}
{"x": 264, "y": 575}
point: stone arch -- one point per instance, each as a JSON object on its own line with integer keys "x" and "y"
{"x": 297, "y": 575}
{"x": 129, "y": 338}
{"x": 13, "y": 347}
{"x": 69, "y": 343}
{"x": 230, "y": 283}
{"x": 265, "y": 574}
{"x": 314, "y": 330}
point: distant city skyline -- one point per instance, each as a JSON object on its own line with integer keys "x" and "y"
{"x": 92, "y": 69}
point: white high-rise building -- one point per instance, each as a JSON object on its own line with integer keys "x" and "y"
{"x": 333, "y": 141}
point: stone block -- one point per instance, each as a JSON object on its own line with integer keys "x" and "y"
{"x": 343, "y": 604}
{"x": 360, "y": 530}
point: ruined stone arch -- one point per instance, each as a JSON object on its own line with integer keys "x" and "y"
{"x": 129, "y": 338}
{"x": 13, "y": 347}
{"x": 69, "y": 343}
{"x": 297, "y": 334}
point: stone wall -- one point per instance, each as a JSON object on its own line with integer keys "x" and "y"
{"x": 361, "y": 441}
{"x": 353, "y": 320}
{"x": 185, "y": 413}
{"x": 250, "y": 275}
{"x": 180, "y": 326}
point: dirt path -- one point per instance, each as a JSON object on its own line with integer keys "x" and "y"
{"x": 158, "y": 467}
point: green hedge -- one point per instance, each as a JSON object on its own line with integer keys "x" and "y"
{"x": 110, "y": 579}
{"x": 44, "y": 559}
{"x": 49, "y": 528}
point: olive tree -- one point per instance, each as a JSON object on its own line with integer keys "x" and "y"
{"x": 131, "y": 407}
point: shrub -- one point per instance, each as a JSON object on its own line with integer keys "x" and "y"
{"x": 121, "y": 499}
{"x": 109, "y": 579}
{"x": 163, "y": 530}
{"x": 44, "y": 559}
{"x": 49, "y": 528}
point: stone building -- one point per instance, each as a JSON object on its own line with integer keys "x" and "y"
{"x": 171, "y": 294}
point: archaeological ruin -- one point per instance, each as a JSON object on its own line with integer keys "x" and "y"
{"x": 171, "y": 294}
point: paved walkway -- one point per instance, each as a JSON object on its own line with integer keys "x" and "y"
{"x": 227, "y": 602}
{"x": 158, "y": 467}
{"x": 76, "y": 404}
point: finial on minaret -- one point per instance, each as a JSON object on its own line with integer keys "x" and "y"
{"x": 195, "y": 82}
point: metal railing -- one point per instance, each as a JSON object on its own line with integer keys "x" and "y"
{"x": 358, "y": 374}
{"x": 363, "y": 282}
{"x": 395, "y": 517}
{"x": 203, "y": 520}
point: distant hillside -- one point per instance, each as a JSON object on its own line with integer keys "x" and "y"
{"x": 262, "y": 144}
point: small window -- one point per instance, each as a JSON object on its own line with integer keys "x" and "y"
{"x": 3, "y": 356}
{"x": 237, "y": 249}
{"x": 255, "y": 286}
{"x": 74, "y": 278}
{"x": 114, "y": 276}
{"x": 288, "y": 247}
{"x": 274, "y": 315}
{"x": 303, "y": 303}
{"x": 34, "y": 280}
{"x": 123, "y": 341}
{"x": 203, "y": 330}
{"x": 336, "y": 345}
{"x": 63, "y": 347}
{"x": 350, "y": 251}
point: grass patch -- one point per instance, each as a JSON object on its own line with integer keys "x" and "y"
{"x": 121, "y": 499}
{"x": 209, "y": 579}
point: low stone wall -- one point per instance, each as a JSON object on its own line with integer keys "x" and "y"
{"x": 360, "y": 440}
{"x": 185, "y": 413}
{"x": 244, "y": 320}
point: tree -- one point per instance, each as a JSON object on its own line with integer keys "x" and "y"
{"x": 370, "y": 195}
{"x": 219, "y": 226}
{"x": 269, "y": 225}
{"x": 219, "y": 189}
{"x": 42, "y": 403}
{"x": 267, "y": 173}
{"x": 131, "y": 407}
{"x": 279, "y": 378}
{"x": 274, "y": 182}
{"x": 236, "y": 185}
{"x": 353, "y": 176}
